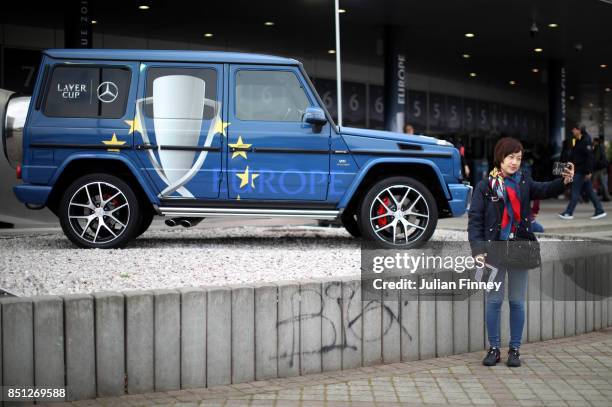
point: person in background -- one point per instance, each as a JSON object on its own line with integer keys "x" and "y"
{"x": 464, "y": 166}
{"x": 408, "y": 129}
{"x": 536, "y": 227}
{"x": 582, "y": 157}
{"x": 566, "y": 155}
{"x": 600, "y": 167}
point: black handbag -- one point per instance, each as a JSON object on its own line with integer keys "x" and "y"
{"x": 520, "y": 252}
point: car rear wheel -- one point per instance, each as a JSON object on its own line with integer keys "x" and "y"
{"x": 146, "y": 218}
{"x": 99, "y": 211}
{"x": 398, "y": 213}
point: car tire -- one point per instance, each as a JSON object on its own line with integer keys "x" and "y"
{"x": 391, "y": 227}
{"x": 351, "y": 224}
{"x": 146, "y": 218}
{"x": 99, "y": 211}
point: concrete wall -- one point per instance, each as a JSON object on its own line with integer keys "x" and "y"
{"x": 109, "y": 344}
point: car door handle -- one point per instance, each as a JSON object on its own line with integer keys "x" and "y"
{"x": 233, "y": 149}
{"x": 146, "y": 146}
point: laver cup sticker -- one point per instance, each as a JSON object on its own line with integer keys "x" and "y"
{"x": 177, "y": 121}
{"x": 71, "y": 90}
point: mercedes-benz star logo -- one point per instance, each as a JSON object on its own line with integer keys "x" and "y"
{"x": 107, "y": 92}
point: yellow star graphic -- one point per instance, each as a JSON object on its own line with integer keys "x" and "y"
{"x": 113, "y": 142}
{"x": 240, "y": 144}
{"x": 244, "y": 178}
{"x": 220, "y": 126}
{"x": 135, "y": 125}
{"x": 238, "y": 197}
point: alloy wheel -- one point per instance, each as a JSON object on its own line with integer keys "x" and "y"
{"x": 99, "y": 212}
{"x": 399, "y": 214}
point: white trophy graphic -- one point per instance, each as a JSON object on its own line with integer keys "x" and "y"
{"x": 177, "y": 121}
{"x": 178, "y": 106}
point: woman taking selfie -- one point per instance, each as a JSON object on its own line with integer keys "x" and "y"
{"x": 498, "y": 225}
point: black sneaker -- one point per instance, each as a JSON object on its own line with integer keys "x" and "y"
{"x": 492, "y": 357}
{"x": 513, "y": 358}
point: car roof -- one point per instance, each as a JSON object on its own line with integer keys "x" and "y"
{"x": 169, "y": 55}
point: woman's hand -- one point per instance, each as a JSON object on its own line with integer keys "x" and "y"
{"x": 568, "y": 173}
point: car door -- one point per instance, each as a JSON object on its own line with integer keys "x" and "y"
{"x": 272, "y": 154}
{"x": 177, "y": 129}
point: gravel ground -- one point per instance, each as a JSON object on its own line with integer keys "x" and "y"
{"x": 47, "y": 263}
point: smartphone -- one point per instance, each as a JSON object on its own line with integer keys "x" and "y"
{"x": 559, "y": 167}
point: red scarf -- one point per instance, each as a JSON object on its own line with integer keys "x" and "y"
{"x": 507, "y": 189}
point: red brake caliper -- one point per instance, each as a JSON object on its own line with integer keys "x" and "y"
{"x": 381, "y": 210}
{"x": 114, "y": 202}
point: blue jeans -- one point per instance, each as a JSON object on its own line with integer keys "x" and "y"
{"x": 578, "y": 186}
{"x": 602, "y": 177}
{"x": 517, "y": 287}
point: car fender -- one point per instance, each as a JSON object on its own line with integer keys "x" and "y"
{"x": 107, "y": 156}
{"x": 390, "y": 160}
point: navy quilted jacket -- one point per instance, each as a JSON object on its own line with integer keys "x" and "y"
{"x": 484, "y": 216}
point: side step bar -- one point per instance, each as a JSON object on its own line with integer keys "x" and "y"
{"x": 249, "y": 212}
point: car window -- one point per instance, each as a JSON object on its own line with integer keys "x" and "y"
{"x": 87, "y": 92}
{"x": 269, "y": 96}
{"x": 180, "y": 93}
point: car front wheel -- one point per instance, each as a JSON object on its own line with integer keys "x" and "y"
{"x": 99, "y": 211}
{"x": 398, "y": 213}
{"x": 351, "y": 224}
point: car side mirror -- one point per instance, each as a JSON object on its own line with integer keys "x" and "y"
{"x": 315, "y": 116}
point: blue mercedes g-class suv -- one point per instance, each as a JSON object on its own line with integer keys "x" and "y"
{"x": 111, "y": 138}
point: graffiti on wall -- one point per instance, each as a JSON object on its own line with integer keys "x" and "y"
{"x": 341, "y": 313}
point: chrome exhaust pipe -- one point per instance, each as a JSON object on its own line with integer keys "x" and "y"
{"x": 190, "y": 222}
{"x": 172, "y": 222}
{"x": 184, "y": 222}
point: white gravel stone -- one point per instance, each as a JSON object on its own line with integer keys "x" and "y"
{"x": 47, "y": 263}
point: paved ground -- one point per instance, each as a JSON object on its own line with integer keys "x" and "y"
{"x": 580, "y": 226}
{"x": 574, "y": 371}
